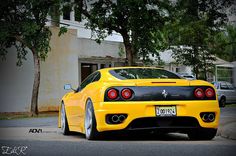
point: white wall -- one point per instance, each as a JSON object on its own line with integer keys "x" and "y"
{"x": 16, "y": 83}
{"x": 61, "y": 67}
{"x": 234, "y": 74}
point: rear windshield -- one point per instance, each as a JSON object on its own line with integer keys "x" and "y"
{"x": 188, "y": 76}
{"x": 142, "y": 73}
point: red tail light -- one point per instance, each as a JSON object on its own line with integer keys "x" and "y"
{"x": 112, "y": 94}
{"x": 209, "y": 92}
{"x": 126, "y": 93}
{"x": 199, "y": 93}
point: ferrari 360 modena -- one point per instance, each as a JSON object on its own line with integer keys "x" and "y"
{"x": 140, "y": 98}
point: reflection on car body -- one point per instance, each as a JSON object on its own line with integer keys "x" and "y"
{"x": 187, "y": 76}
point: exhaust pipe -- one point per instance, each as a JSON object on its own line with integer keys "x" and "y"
{"x": 211, "y": 117}
{"x": 115, "y": 118}
{"x": 121, "y": 118}
{"x": 205, "y": 117}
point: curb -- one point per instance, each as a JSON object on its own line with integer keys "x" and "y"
{"x": 229, "y": 131}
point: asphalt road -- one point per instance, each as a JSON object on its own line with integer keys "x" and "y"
{"x": 228, "y": 112}
{"x": 16, "y": 140}
{"x": 81, "y": 147}
{"x": 52, "y": 121}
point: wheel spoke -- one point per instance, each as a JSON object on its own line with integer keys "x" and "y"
{"x": 62, "y": 118}
{"x": 88, "y": 126}
{"x": 89, "y": 113}
{"x": 88, "y": 119}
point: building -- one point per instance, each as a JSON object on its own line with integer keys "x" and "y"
{"x": 72, "y": 58}
{"x": 171, "y": 65}
{"x": 234, "y": 73}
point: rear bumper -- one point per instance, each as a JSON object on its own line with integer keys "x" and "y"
{"x": 138, "y": 110}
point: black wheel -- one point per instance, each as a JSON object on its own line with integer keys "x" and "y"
{"x": 64, "y": 124}
{"x": 202, "y": 134}
{"x": 222, "y": 102}
{"x": 90, "y": 124}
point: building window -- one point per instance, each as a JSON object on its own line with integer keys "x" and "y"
{"x": 87, "y": 69}
{"x": 66, "y": 12}
{"x": 177, "y": 70}
{"x": 78, "y": 16}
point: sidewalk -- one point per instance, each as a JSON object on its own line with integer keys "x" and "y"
{"x": 227, "y": 128}
{"x": 28, "y": 133}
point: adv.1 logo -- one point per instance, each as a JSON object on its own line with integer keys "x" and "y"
{"x": 35, "y": 131}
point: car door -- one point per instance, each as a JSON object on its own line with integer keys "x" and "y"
{"x": 224, "y": 90}
{"x": 231, "y": 92}
{"x": 75, "y": 108}
{"x": 84, "y": 93}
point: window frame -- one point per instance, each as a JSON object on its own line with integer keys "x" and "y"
{"x": 224, "y": 83}
{"x": 91, "y": 78}
{"x": 230, "y": 86}
{"x": 115, "y": 73}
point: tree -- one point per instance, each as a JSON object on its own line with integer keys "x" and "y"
{"x": 192, "y": 34}
{"x": 226, "y": 43}
{"x": 22, "y": 25}
{"x": 138, "y": 22}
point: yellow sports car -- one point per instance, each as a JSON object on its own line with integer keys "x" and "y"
{"x": 140, "y": 98}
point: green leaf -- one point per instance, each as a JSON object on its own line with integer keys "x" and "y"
{"x": 62, "y": 31}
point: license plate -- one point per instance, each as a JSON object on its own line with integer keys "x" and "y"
{"x": 166, "y": 110}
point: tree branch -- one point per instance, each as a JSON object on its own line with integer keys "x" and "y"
{"x": 83, "y": 11}
{"x": 19, "y": 39}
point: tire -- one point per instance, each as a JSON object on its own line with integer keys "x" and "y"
{"x": 222, "y": 102}
{"x": 202, "y": 134}
{"x": 64, "y": 123}
{"x": 90, "y": 124}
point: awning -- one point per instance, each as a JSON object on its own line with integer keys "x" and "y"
{"x": 228, "y": 65}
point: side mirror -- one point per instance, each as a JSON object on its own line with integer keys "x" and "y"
{"x": 67, "y": 87}
{"x": 78, "y": 89}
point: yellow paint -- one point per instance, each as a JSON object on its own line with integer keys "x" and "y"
{"x": 75, "y": 103}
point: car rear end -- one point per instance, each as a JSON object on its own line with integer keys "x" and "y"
{"x": 158, "y": 106}
{"x": 169, "y": 105}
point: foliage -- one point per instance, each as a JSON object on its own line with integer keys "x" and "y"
{"x": 23, "y": 25}
{"x": 121, "y": 51}
{"x": 226, "y": 43}
{"x": 139, "y": 23}
{"x": 225, "y": 74}
{"x": 192, "y": 33}
{"x": 55, "y": 12}
{"x": 62, "y": 31}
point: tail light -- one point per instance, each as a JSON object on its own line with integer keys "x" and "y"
{"x": 112, "y": 94}
{"x": 209, "y": 92}
{"x": 126, "y": 93}
{"x": 199, "y": 93}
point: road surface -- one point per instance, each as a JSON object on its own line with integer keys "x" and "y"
{"x": 16, "y": 139}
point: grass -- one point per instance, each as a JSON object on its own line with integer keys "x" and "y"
{"x": 230, "y": 105}
{"x": 21, "y": 115}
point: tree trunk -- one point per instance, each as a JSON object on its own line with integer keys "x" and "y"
{"x": 34, "y": 98}
{"x": 205, "y": 67}
{"x": 196, "y": 61}
{"x": 196, "y": 71}
{"x": 128, "y": 49}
